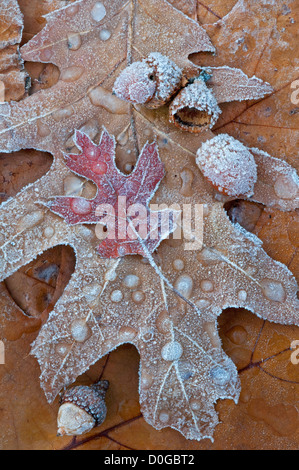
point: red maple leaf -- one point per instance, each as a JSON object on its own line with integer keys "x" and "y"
{"x": 121, "y": 204}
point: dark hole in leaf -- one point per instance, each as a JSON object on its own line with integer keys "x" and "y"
{"x": 20, "y": 169}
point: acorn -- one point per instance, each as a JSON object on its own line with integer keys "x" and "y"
{"x": 151, "y": 82}
{"x": 195, "y": 108}
{"x": 228, "y": 165}
{"x": 82, "y": 408}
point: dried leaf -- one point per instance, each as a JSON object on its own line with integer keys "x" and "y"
{"x": 183, "y": 368}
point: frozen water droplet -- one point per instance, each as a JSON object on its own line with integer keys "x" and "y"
{"x": 172, "y": 351}
{"x": 220, "y": 376}
{"x": 30, "y": 220}
{"x": 273, "y": 290}
{"x": 62, "y": 349}
{"x": 196, "y": 405}
{"x": 104, "y": 98}
{"x": 185, "y": 370}
{"x": 71, "y": 74}
{"x": 207, "y": 286}
{"x": 187, "y": 177}
{"x": 286, "y": 187}
{"x": 49, "y": 232}
{"x": 242, "y": 295}
{"x": 74, "y": 41}
{"x": 45, "y": 55}
{"x": 62, "y": 114}
{"x": 131, "y": 281}
{"x": 92, "y": 291}
{"x": 81, "y": 206}
{"x": 184, "y": 284}
{"x": 202, "y": 303}
{"x": 72, "y": 10}
{"x": 148, "y": 335}
{"x": 98, "y": 12}
{"x": 178, "y": 264}
{"x": 80, "y": 331}
{"x": 99, "y": 168}
{"x": 123, "y": 138}
{"x": 73, "y": 186}
{"x": 116, "y": 296}
{"x": 164, "y": 416}
{"x": 138, "y": 297}
{"x": 43, "y": 130}
{"x": 127, "y": 333}
{"x": 105, "y": 34}
{"x": 146, "y": 380}
{"x": 163, "y": 322}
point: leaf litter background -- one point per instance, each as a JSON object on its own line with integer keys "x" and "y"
{"x": 260, "y": 39}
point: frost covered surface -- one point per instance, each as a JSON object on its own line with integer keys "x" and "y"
{"x": 228, "y": 165}
{"x": 12, "y": 74}
{"x": 168, "y": 307}
{"x": 195, "y": 108}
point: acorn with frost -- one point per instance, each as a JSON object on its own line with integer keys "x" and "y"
{"x": 151, "y": 82}
{"x": 228, "y": 165}
{"x": 82, "y": 408}
{"x": 195, "y": 108}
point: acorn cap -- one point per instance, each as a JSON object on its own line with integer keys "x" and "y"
{"x": 151, "y": 82}
{"x": 90, "y": 399}
{"x": 195, "y": 108}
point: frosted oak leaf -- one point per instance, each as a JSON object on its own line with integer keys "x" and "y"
{"x": 168, "y": 309}
{"x": 121, "y": 203}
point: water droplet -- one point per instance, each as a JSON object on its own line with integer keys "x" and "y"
{"x": 172, "y": 351}
{"x": 31, "y": 220}
{"x": 148, "y": 336}
{"x": 196, "y": 405}
{"x": 74, "y": 41}
{"x": 73, "y": 186}
{"x": 286, "y": 186}
{"x": 184, "y": 284}
{"x": 138, "y": 297}
{"x": 62, "y": 349}
{"x": 72, "y": 10}
{"x": 211, "y": 329}
{"x": 63, "y": 114}
{"x": 237, "y": 334}
{"x": 42, "y": 129}
{"x": 80, "y": 331}
{"x": 185, "y": 369}
{"x": 242, "y": 295}
{"x": 273, "y": 290}
{"x": 164, "y": 416}
{"x": 104, "y": 98}
{"x": 49, "y": 232}
{"x": 92, "y": 291}
{"x": 99, "y": 168}
{"x": 127, "y": 333}
{"x": 105, "y": 34}
{"x": 187, "y": 177}
{"x": 81, "y": 206}
{"x": 45, "y": 55}
{"x": 131, "y": 281}
{"x": 146, "y": 380}
{"x": 98, "y": 12}
{"x": 116, "y": 296}
{"x": 220, "y": 376}
{"x": 71, "y": 74}
{"x": 202, "y": 303}
{"x": 178, "y": 264}
{"x": 207, "y": 286}
{"x": 163, "y": 322}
